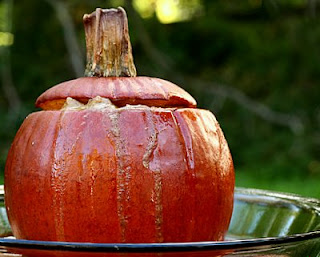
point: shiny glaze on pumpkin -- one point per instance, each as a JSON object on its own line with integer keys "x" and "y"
{"x": 120, "y": 175}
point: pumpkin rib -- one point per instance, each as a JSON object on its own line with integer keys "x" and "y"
{"x": 141, "y": 207}
{"x": 25, "y": 163}
{"x": 205, "y": 159}
{"x": 42, "y": 216}
{"x": 91, "y": 90}
{"x": 121, "y": 172}
{"x": 204, "y": 125}
{"x": 113, "y": 91}
{"x": 56, "y": 186}
{"x": 113, "y": 174}
{"x": 153, "y": 141}
{"x": 74, "y": 87}
{"x": 140, "y": 89}
{"x": 24, "y": 138}
{"x": 157, "y": 175}
{"x": 88, "y": 157}
{"x": 226, "y": 170}
{"x": 186, "y": 140}
{"x": 158, "y": 84}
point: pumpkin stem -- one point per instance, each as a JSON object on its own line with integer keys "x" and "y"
{"x": 109, "y": 51}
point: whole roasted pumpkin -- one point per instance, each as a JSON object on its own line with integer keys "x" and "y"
{"x": 117, "y": 158}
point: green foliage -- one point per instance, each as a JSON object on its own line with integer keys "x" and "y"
{"x": 268, "y": 50}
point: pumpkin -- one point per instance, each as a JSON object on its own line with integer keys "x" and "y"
{"x": 113, "y": 157}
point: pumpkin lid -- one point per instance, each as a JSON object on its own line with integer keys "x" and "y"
{"x": 110, "y": 71}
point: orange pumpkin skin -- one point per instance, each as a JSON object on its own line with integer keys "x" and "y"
{"x": 142, "y": 174}
{"x": 156, "y": 170}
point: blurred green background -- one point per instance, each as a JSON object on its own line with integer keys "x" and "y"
{"x": 254, "y": 63}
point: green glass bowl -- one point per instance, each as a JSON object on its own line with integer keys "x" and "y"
{"x": 264, "y": 223}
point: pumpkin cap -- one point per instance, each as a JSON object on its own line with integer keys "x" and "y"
{"x": 110, "y": 71}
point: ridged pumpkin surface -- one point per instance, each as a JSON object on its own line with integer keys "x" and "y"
{"x": 118, "y": 158}
{"x": 132, "y": 174}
